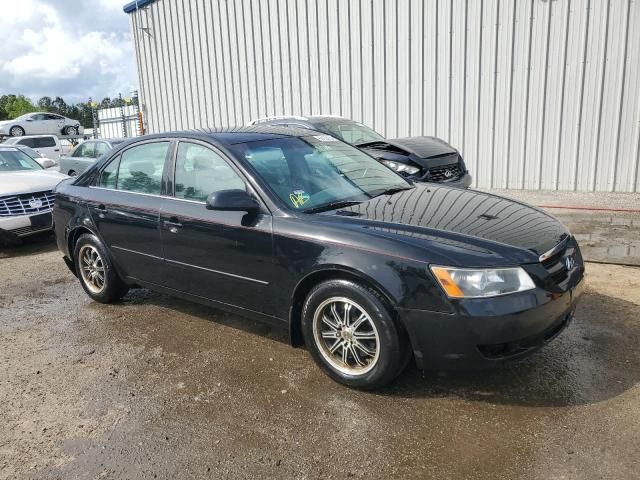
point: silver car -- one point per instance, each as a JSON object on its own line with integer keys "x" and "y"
{"x": 40, "y": 123}
{"x": 85, "y": 154}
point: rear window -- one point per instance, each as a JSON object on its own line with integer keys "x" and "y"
{"x": 27, "y": 142}
{"x": 44, "y": 142}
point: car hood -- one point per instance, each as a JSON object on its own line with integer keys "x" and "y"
{"x": 426, "y": 152}
{"x": 449, "y": 219}
{"x": 12, "y": 183}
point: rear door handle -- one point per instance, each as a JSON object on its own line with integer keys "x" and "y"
{"x": 173, "y": 226}
{"x": 102, "y": 210}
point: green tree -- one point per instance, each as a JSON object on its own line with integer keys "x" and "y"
{"x": 59, "y": 106}
{"x": 45, "y": 104}
{"x": 4, "y": 101}
{"x": 18, "y": 105}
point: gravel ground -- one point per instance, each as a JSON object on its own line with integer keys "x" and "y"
{"x": 154, "y": 387}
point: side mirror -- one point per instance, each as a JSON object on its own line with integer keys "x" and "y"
{"x": 232, "y": 201}
{"x": 48, "y": 163}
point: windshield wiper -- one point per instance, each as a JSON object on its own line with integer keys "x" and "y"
{"x": 392, "y": 190}
{"x": 331, "y": 206}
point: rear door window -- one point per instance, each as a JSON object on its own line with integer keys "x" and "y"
{"x": 101, "y": 149}
{"x": 109, "y": 175}
{"x": 85, "y": 150}
{"x": 44, "y": 142}
{"x": 29, "y": 142}
{"x": 141, "y": 168}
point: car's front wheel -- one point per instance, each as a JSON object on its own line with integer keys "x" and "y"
{"x": 71, "y": 130}
{"x": 95, "y": 270}
{"x": 352, "y": 335}
{"x": 16, "y": 131}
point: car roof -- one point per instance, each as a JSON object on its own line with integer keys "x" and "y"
{"x": 109, "y": 140}
{"x": 235, "y": 135}
{"x": 311, "y": 120}
{"x": 21, "y": 137}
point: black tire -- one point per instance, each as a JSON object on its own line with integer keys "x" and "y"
{"x": 16, "y": 131}
{"x": 391, "y": 341}
{"x": 113, "y": 287}
{"x": 72, "y": 173}
{"x": 70, "y": 130}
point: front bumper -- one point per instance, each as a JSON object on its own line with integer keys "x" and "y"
{"x": 487, "y": 332}
{"x": 25, "y": 225}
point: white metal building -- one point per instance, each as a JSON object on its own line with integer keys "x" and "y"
{"x": 534, "y": 93}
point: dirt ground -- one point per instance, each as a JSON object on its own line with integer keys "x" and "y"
{"x": 154, "y": 387}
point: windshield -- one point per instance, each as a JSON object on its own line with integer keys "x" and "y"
{"x": 31, "y": 152}
{"x": 352, "y": 133}
{"x": 315, "y": 171}
{"x": 15, "y": 161}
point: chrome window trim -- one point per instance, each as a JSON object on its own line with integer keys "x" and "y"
{"x": 166, "y": 197}
{"x": 554, "y": 250}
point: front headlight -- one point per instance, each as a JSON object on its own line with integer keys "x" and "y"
{"x": 400, "y": 167}
{"x": 481, "y": 282}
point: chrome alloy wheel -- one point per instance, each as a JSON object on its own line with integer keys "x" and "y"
{"x": 346, "y": 336}
{"x": 92, "y": 268}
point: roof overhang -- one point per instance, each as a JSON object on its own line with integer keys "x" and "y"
{"x": 135, "y": 5}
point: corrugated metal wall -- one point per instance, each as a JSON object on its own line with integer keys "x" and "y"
{"x": 535, "y": 93}
{"x": 111, "y": 124}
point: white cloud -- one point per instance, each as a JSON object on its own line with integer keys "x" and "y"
{"x": 68, "y": 48}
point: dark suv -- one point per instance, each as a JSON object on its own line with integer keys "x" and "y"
{"x": 422, "y": 159}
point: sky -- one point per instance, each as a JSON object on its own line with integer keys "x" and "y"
{"x": 74, "y": 49}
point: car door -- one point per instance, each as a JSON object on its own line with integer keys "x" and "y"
{"x": 48, "y": 146}
{"x": 223, "y": 256}
{"x": 34, "y": 125}
{"x": 80, "y": 159}
{"x": 124, "y": 204}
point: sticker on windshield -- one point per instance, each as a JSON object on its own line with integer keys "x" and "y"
{"x": 298, "y": 198}
{"x": 325, "y": 138}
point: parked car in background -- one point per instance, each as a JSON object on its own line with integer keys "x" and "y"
{"x": 422, "y": 159}
{"x": 39, "y": 123}
{"x": 47, "y": 145}
{"x": 26, "y": 194}
{"x": 44, "y": 162}
{"x": 85, "y": 154}
{"x": 297, "y": 228}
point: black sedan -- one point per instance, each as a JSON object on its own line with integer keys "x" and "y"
{"x": 299, "y": 229}
{"x": 421, "y": 159}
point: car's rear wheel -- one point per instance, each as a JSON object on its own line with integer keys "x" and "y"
{"x": 71, "y": 130}
{"x": 352, "y": 335}
{"x": 16, "y": 131}
{"x": 95, "y": 270}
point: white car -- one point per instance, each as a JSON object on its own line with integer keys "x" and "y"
{"x": 47, "y": 145}
{"x": 44, "y": 162}
{"x": 26, "y": 194}
{"x": 39, "y": 123}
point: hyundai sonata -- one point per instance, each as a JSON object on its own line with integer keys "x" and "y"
{"x": 302, "y": 230}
